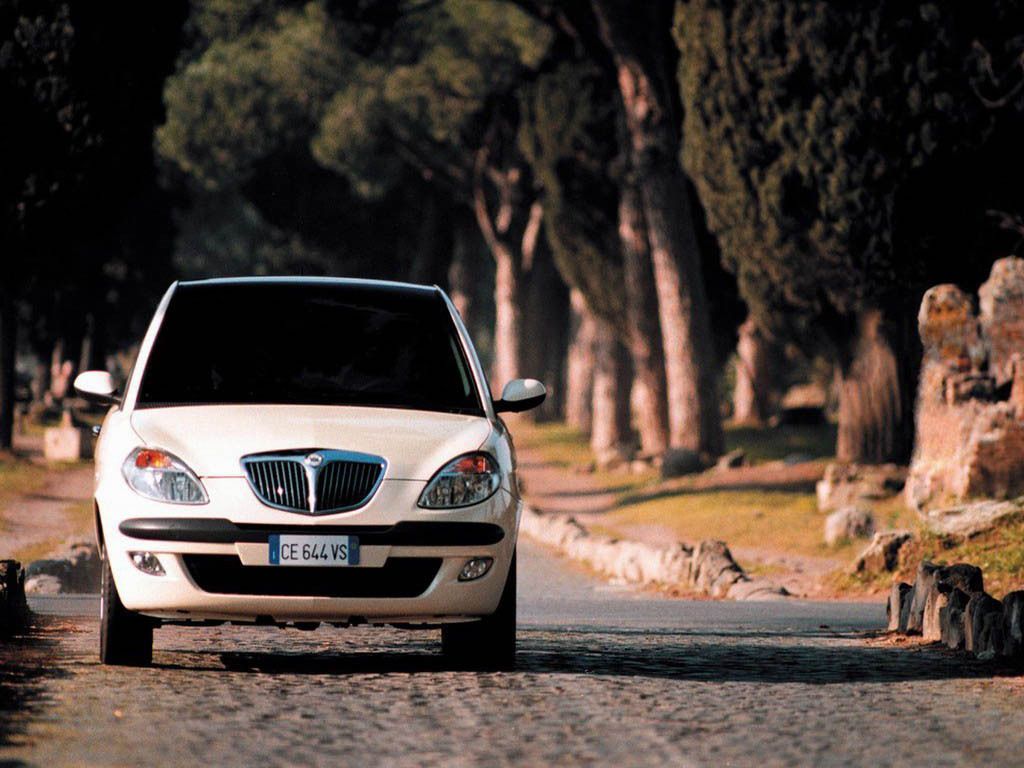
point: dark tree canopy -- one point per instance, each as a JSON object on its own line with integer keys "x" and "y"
{"x": 806, "y": 120}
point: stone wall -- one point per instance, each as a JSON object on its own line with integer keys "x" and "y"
{"x": 970, "y": 406}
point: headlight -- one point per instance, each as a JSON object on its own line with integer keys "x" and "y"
{"x": 161, "y": 476}
{"x": 466, "y": 480}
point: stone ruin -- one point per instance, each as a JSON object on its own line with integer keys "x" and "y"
{"x": 970, "y": 406}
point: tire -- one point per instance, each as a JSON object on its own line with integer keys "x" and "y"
{"x": 126, "y": 638}
{"x": 489, "y": 643}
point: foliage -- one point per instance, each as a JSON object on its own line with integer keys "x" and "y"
{"x": 807, "y": 122}
{"x": 567, "y": 134}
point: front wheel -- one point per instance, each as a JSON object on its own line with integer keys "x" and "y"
{"x": 490, "y": 642}
{"x": 126, "y": 637}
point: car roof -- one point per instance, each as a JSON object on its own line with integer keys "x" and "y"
{"x": 384, "y": 286}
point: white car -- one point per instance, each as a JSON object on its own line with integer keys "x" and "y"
{"x": 297, "y": 451}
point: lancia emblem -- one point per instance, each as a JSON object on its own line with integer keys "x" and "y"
{"x": 314, "y": 460}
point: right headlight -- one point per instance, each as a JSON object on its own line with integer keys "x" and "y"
{"x": 162, "y": 476}
{"x": 461, "y": 482}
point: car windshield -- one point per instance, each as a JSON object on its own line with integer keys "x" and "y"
{"x": 308, "y": 343}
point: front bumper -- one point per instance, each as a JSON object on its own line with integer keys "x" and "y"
{"x": 236, "y": 527}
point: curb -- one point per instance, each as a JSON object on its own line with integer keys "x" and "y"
{"x": 707, "y": 568}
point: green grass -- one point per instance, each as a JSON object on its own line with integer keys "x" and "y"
{"x": 765, "y": 519}
{"x": 18, "y": 477}
{"x": 775, "y": 443}
{"x": 999, "y": 553}
{"x": 567, "y": 447}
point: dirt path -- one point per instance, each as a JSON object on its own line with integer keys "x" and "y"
{"x": 35, "y": 524}
{"x": 557, "y": 489}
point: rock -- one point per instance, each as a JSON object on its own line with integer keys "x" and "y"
{"x": 898, "y": 596}
{"x": 78, "y": 571}
{"x": 931, "y": 626}
{"x": 951, "y": 619}
{"x": 970, "y": 405}
{"x": 924, "y": 585}
{"x": 983, "y": 625}
{"x": 948, "y": 328}
{"x": 680, "y": 461}
{"x": 1001, "y": 313}
{"x": 1013, "y": 624}
{"x": 712, "y": 568}
{"x": 756, "y": 589}
{"x": 969, "y": 519}
{"x": 43, "y": 584}
{"x": 732, "y": 459}
{"x": 963, "y": 576}
{"x": 59, "y": 568}
{"x": 845, "y": 485}
{"x": 14, "y": 611}
{"x": 882, "y": 554}
{"x": 849, "y": 523}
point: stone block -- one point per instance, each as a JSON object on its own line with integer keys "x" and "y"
{"x": 899, "y": 595}
{"x": 963, "y": 576}
{"x": 1013, "y": 624}
{"x": 931, "y": 626}
{"x": 983, "y": 625}
{"x": 924, "y": 585}
{"x": 951, "y": 619}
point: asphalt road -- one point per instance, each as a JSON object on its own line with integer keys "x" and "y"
{"x": 606, "y": 676}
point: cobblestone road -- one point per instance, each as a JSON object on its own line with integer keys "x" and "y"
{"x": 605, "y": 676}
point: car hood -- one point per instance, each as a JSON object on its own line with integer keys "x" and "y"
{"x": 212, "y": 438}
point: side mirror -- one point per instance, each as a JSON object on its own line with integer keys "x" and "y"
{"x": 96, "y": 387}
{"x": 520, "y": 395}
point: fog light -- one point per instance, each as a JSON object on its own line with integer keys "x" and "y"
{"x": 475, "y": 568}
{"x": 147, "y": 562}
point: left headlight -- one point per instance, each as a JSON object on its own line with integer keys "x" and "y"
{"x": 162, "y": 476}
{"x": 461, "y": 482}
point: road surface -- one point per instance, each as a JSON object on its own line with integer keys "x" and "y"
{"x": 606, "y": 676}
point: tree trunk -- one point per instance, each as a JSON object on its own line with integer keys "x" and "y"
{"x": 513, "y": 251}
{"x": 875, "y": 409}
{"x": 643, "y": 59}
{"x": 545, "y": 328}
{"x": 507, "y": 320}
{"x": 643, "y": 335}
{"x": 579, "y": 376}
{"x": 610, "y": 429}
{"x": 461, "y": 275}
{"x": 752, "y": 393}
{"x": 8, "y": 343}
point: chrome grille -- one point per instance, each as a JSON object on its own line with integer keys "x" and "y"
{"x": 341, "y": 480}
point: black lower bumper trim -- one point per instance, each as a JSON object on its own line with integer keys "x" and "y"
{"x": 225, "y": 575}
{"x": 221, "y": 531}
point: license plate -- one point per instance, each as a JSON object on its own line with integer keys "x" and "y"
{"x": 288, "y": 549}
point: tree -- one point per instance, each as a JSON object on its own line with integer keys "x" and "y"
{"x": 806, "y": 124}
{"x": 567, "y": 133}
{"x": 81, "y": 84}
{"x": 400, "y": 100}
{"x": 633, "y": 43}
